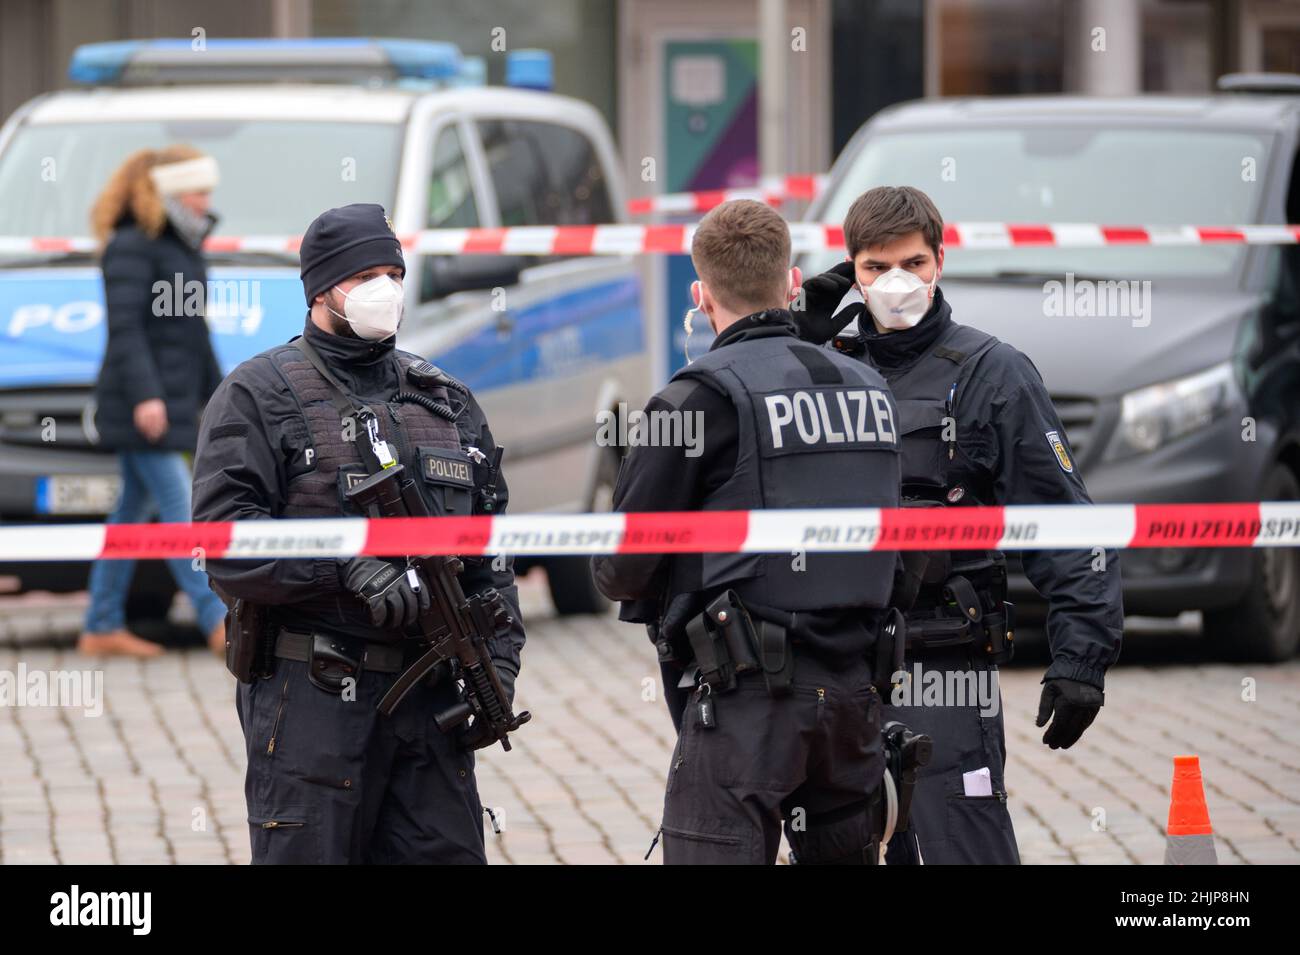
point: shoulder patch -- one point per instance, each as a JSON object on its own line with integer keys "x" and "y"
{"x": 234, "y": 430}
{"x": 1062, "y": 456}
{"x": 675, "y": 393}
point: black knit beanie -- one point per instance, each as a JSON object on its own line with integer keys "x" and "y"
{"x": 345, "y": 241}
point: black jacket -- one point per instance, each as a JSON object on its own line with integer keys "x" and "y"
{"x": 662, "y": 478}
{"x": 254, "y": 430}
{"x": 155, "y": 349}
{"x": 1003, "y": 456}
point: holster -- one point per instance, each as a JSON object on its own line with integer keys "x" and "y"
{"x": 333, "y": 659}
{"x": 250, "y": 641}
{"x": 906, "y": 753}
{"x": 726, "y": 641}
{"x": 891, "y": 641}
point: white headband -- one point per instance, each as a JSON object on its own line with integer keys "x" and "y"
{"x": 188, "y": 175}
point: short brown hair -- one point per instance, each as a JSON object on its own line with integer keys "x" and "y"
{"x": 881, "y": 215}
{"x": 741, "y": 250}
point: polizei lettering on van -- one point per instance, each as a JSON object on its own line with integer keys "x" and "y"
{"x": 820, "y": 417}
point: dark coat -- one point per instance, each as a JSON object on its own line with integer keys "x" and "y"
{"x": 154, "y": 350}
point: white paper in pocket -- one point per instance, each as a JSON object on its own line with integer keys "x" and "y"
{"x": 978, "y": 782}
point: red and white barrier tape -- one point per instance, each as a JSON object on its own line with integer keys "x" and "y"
{"x": 1059, "y": 527}
{"x": 771, "y": 191}
{"x": 676, "y": 239}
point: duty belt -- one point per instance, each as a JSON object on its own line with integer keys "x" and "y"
{"x": 992, "y": 633}
{"x": 374, "y": 657}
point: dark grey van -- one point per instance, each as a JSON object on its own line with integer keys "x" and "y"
{"x": 1176, "y": 370}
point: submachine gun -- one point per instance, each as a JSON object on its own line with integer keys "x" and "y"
{"x": 455, "y": 628}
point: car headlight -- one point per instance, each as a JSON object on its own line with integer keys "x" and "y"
{"x": 1151, "y": 417}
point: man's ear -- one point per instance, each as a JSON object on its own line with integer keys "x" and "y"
{"x": 796, "y": 281}
{"x": 704, "y": 299}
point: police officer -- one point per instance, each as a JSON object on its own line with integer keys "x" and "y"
{"x": 977, "y": 427}
{"x": 330, "y": 779}
{"x": 782, "y": 719}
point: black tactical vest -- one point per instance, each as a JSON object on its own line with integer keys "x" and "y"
{"x": 817, "y": 430}
{"x": 926, "y": 394}
{"x": 326, "y": 462}
{"x": 422, "y": 440}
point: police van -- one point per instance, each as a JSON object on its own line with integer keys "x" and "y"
{"x": 1174, "y": 369}
{"x": 300, "y": 126}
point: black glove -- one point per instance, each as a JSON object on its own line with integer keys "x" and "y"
{"x": 821, "y": 296}
{"x": 681, "y": 610}
{"x": 386, "y": 591}
{"x": 1072, "y": 706}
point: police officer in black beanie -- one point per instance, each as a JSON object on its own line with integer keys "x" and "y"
{"x": 330, "y": 779}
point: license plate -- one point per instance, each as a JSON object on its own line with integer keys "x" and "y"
{"x": 77, "y": 493}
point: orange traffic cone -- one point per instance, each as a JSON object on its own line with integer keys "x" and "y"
{"x": 1190, "y": 839}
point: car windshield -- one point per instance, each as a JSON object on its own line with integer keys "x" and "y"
{"x": 1117, "y": 176}
{"x": 276, "y": 175}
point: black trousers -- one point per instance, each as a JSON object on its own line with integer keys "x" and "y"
{"x": 951, "y": 827}
{"x": 333, "y": 781}
{"x": 808, "y": 761}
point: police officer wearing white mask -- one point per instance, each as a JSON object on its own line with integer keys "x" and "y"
{"x": 286, "y": 435}
{"x": 977, "y": 427}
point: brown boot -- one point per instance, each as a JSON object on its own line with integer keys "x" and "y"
{"x": 217, "y": 640}
{"x": 117, "y": 643}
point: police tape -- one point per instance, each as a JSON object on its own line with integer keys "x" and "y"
{"x": 586, "y": 240}
{"x": 773, "y": 191}
{"x": 1011, "y": 528}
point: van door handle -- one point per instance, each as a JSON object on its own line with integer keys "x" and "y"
{"x": 505, "y": 323}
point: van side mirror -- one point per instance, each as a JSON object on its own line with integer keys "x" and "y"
{"x": 444, "y": 274}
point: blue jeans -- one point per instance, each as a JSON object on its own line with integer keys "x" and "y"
{"x": 161, "y": 478}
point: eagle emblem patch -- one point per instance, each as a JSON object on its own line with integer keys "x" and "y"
{"x": 1062, "y": 456}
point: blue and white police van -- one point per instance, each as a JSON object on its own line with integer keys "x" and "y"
{"x": 299, "y": 126}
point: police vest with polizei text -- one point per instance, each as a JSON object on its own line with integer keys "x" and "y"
{"x": 816, "y": 429}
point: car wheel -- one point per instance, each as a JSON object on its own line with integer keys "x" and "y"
{"x": 573, "y": 591}
{"x": 1265, "y": 625}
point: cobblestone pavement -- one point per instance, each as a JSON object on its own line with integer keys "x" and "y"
{"x": 158, "y": 777}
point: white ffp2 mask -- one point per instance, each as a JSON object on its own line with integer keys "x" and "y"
{"x": 373, "y": 308}
{"x": 897, "y": 299}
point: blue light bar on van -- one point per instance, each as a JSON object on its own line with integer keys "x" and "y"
{"x": 333, "y": 60}
{"x": 530, "y": 69}
{"x": 100, "y": 64}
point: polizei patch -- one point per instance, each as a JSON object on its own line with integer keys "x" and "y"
{"x": 1062, "y": 456}
{"x": 810, "y": 419}
{"x": 446, "y": 467}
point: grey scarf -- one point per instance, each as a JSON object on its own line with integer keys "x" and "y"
{"x": 191, "y": 227}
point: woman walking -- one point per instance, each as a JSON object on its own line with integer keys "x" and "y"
{"x": 158, "y": 371}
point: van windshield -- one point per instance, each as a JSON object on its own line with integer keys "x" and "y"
{"x": 1116, "y": 176}
{"x": 276, "y": 175}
